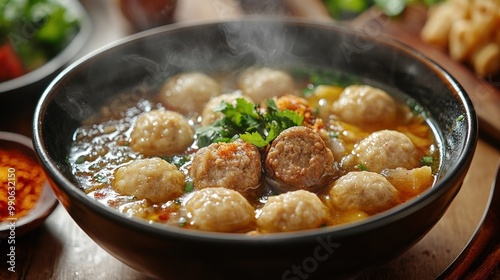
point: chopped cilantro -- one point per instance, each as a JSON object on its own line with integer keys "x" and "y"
{"x": 254, "y": 138}
{"x": 244, "y": 120}
{"x": 208, "y": 134}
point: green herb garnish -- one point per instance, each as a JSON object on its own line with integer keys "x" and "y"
{"x": 244, "y": 120}
{"x": 427, "y": 161}
{"x": 460, "y": 118}
{"x": 178, "y": 160}
{"x": 80, "y": 160}
{"x": 189, "y": 187}
{"x": 361, "y": 167}
{"x": 37, "y": 30}
{"x": 254, "y": 138}
{"x": 101, "y": 179}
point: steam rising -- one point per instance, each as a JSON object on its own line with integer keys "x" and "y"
{"x": 147, "y": 63}
{"x": 267, "y": 44}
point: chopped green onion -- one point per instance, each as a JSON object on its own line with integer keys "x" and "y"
{"x": 361, "y": 167}
{"x": 101, "y": 179}
{"x": 80, "y": 159}
{"x": 427, "y": 160}
{"x": 189, "y": 187}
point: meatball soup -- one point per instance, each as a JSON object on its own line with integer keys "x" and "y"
{"x": 260, "y": 151}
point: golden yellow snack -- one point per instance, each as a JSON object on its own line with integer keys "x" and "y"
{"x": 462, "y": 39}
{"x": 438, "y": 25}
{"x": 468, "y": 29}
{"x": 486, "y": 60}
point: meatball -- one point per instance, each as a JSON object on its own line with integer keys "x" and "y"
{"x": 366, "y": 106}
{"x": 299, "y": 159}
{"x": 208, "y": 114}
{"x": 302, "y": 108}
{"x": 161, "y": 133}
{"x": 187, "y": 93}
{"x": 153, "y": 179}
{"x": 220, "y": 210}
{"x": 292, "y": 211}
{"x": 235, "y": 165}
{"x": 386, "y": 149}
{"x": 262, "y": 83}
{"x": 365, "y": 191}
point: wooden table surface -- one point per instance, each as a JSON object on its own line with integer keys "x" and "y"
{"x": 59, "y": 249}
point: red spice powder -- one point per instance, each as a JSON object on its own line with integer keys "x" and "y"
{"x": 28, "y": 176}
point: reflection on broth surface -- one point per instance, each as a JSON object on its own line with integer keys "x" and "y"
{"x": 313, "y": 151}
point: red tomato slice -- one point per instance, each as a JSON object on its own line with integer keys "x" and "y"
{"x": 10, "y": 64}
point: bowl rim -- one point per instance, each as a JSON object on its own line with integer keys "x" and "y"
{"x": 57, "y": 62}
{"x": 459, "y": 168}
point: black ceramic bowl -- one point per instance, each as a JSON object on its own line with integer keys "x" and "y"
{"x": 147, "y": 59}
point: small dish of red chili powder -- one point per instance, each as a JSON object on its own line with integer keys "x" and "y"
{"x": 26, "y": 198}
